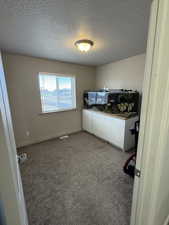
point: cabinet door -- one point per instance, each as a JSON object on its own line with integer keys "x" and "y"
{"x": 116, "y": 132}
{"x": 106, "y": 125}
{"x": 98, "y": 124}
{"x": 87, "y": 121}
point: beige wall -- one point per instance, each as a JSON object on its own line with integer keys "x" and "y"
{"x": 22, "y": 82}
{"x": 127, "y": 73}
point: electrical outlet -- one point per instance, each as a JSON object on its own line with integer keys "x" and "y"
{"x": 27, "y": 133}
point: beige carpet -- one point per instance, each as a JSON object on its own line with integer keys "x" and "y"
{"x": 76, "y": 181}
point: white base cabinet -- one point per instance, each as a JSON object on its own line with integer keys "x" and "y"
{"x": 113, "y": 129}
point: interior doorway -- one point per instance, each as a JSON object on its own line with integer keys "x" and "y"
{"x": 157, "y": 22}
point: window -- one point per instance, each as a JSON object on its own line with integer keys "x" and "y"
{"x": 57, "y": 92}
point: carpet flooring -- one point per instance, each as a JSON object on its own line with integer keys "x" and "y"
{"x": 76, "y": 181}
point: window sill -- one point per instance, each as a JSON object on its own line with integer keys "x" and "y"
{"x": 58, "y": 111}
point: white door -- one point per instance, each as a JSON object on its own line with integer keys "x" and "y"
{"x": 145, "y": 105}
{"x": 151, "y": 190}
{"x": 12, "y": 198}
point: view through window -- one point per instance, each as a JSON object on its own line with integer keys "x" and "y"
{"x": 57, "y": 92}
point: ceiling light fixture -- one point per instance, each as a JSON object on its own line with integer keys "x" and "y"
{"x": 84, "y": 45}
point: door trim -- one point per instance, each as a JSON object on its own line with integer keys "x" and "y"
{"x": 12, "y": 192}
{"x": 145, "y": 103}
{"x": 154, "y": 127}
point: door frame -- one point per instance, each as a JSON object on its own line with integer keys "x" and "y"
{"x": 153, "y": 139}
{"x": 12, "y": 198}
{"x": 145, "y": 102}
{"x": 143, "y": 197}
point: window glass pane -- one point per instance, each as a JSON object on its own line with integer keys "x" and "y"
{"x": 65, "y": 92}
{"x": 57, "y": 92}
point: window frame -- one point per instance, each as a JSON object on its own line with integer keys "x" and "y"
{"x": 73, "y": 84}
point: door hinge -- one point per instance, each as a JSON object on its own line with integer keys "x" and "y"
{"x": 137, "y": 172}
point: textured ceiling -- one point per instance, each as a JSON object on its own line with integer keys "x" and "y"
{"x": 49, "y": 28}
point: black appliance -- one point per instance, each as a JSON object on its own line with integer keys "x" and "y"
{"x": 116, "y": 100}
{"x": 130, "y": 164}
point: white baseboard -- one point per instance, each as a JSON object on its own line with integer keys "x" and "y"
{"x": 45, "y": 138}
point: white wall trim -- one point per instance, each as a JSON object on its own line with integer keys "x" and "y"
{"x": 44, "y": 138}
